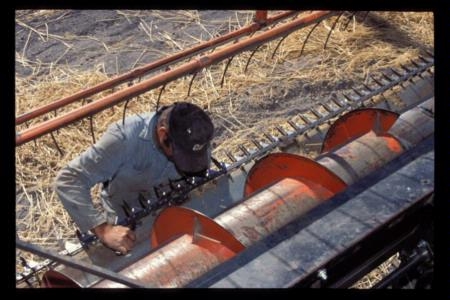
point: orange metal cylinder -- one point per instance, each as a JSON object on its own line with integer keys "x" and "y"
{"x": 361, "y": 157}
{"x": 269, "y": 210}
{"x": 357, "y": 123}
{"x": 175, "y": 264}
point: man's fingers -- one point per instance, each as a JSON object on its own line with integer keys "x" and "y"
{"x": 127, "y": 243}
{"x": 131, "y": 235}
{"x": 123, "y": 250}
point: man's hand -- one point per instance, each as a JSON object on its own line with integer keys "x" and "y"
{"x": 116, "y": 237}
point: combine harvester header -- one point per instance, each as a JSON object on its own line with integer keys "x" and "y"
{"x": 272, "y": 217}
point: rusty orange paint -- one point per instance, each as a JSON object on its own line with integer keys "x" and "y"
{"x": 277, "y": 166}
{"x": 175, "y": 221}
{"x": 357, "y": 123}
{"x": 268, "y": 210}
{"x": 174, "y": 264}
{"x": 261, "y": 16}
{"x": 393, "y": 144}
{"x": 54, "y": 279}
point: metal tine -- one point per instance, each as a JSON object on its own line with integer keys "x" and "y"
{"x": 423, "y": 59}
{"x": 331, "y": 30}
{"x": 56, "y": 144}
{"x": 387, "y": 77}
{"x": 405, "y": 68}
{"x": 417, "y": 66}
{"x": 347, "y": 98}
{"x": 257, "y": 144}
{"x": 225, "y": 71}
{"x": 430, "y": 54}
{"x": 395, "y": 72}
{"x": 349, "y": 20}
{"x": 376, "y": 81}
{"x": 142, "y": 201}
{"x": 415, "y": 63}
{"x": 129, "y": 212}
{"x": 91, "y": 126}
{"x": 124, "y": 112}
{"x": 357, "y": 92}
{"x": 190, "y": 84}
{"x": 326, "y": 107}
{"x": 220, "y": 166}
{"x": 293, "y": 125}
{"x": 269, "y": 137}
{"x": 24, "y": 263}
{"x": 316, "y": 113}
{"x": 399, "y": 75}
{"x": 126, "y": 208}
{"x": 367, "y": 87}
{"x": 307, "y": 37}
{"x": 336, "y": 101}
{"x": 305, "y": 120}
{"x": 244, "y": 150}
{"x": 34, "y": 272}
{"x": 159, "y": 96}
{"x": 281, "y": 130}
{"x": 231, "y": 156}
{"x": 408, "y": 71}
{"x": 279, "y": 43}
{"x": 251, "y": 55}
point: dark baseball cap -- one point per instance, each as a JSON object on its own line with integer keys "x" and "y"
{"x": 191, "y": 131}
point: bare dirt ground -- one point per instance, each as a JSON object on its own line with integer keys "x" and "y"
{"x": 59, "y": 52}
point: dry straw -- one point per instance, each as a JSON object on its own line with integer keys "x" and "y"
{"x": 247, "y": 104}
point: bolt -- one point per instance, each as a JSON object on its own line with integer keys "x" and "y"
{"x": 425, "y": 181}
{"x": 322, "y": 274}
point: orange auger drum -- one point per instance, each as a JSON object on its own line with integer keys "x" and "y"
{"x": 279, "y": 188}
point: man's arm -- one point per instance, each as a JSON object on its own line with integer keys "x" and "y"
{"x": 74, "y": 182}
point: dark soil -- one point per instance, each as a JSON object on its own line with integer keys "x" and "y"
{"x": 115, "y": 39}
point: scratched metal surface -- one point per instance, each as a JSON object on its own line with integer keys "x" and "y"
{"x": 301, "y": 247}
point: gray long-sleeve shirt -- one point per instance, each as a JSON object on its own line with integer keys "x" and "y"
{"x": 128, "y": 158}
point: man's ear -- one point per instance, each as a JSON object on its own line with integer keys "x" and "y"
{"x": 162, "y": 134}
{"x": 163, "y": 137}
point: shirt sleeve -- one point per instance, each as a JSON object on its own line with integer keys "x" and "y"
{"x": 97, "y": 164}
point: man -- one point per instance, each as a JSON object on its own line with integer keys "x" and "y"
{"x": 130, "y": 160}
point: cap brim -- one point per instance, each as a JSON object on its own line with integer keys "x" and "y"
{"x": 191, "y": 162}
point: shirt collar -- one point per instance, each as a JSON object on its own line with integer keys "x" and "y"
{"x": 147, "y": 133}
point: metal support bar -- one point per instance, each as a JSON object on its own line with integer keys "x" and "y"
{"x": 154, "y": 66}
{"x": 168, "y": 76}
{"x": 93, "y": 269}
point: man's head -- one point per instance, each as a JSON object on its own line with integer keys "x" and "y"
{"x": 185, "y": 132}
